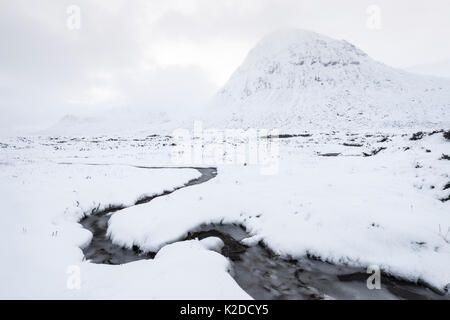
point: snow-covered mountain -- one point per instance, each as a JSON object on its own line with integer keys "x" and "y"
{"x": 296, "y": 80}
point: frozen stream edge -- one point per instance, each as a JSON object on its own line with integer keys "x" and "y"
{"x": 257, "y": 270}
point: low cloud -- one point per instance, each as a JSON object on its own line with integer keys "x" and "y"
{"x": 174, "y": 54}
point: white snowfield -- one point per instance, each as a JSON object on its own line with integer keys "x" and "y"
{"x": 354, "y": 210}
{"x": 41, "y": 239}
{"x": 384, "y": 209}
{"x": 354, "y": 190}
{"x": 299, "y": 79}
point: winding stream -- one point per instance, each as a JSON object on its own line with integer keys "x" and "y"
{"x": 102, "y": 250}
{"x": 257, "y": 270}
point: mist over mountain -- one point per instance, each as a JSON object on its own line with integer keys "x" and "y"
{"x": 295, "y": 79}
{"x": 438, "y": 69}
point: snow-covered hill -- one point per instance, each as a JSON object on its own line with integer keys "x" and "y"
{"x": 297, "y": 80}
{"x": 113, "y": 121}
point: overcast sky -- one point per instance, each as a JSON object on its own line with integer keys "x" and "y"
{"x": 173, "y": 54}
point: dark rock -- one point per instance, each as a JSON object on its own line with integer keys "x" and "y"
{"x": 447, "y": 135}
{"x": 417, "y": 136}
{"x": 373, "y": 152}
{"x": 352, "y": 144}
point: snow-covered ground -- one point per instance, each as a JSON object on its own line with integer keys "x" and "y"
{"x": 356, "y": 184}
{"x": 383, "y": 209}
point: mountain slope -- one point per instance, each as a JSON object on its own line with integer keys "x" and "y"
{"x": 298, "y": 80}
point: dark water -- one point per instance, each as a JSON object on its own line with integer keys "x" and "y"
{"x": 102, "y": 250}
{"x": 265, "y": 275}
{"x": 260, "y": 272}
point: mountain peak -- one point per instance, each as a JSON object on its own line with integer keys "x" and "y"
{"x": 298, "y": 43}
{"x": 287, "y": 59}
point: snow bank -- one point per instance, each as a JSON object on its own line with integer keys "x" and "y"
{"x": 183, "y": 270}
